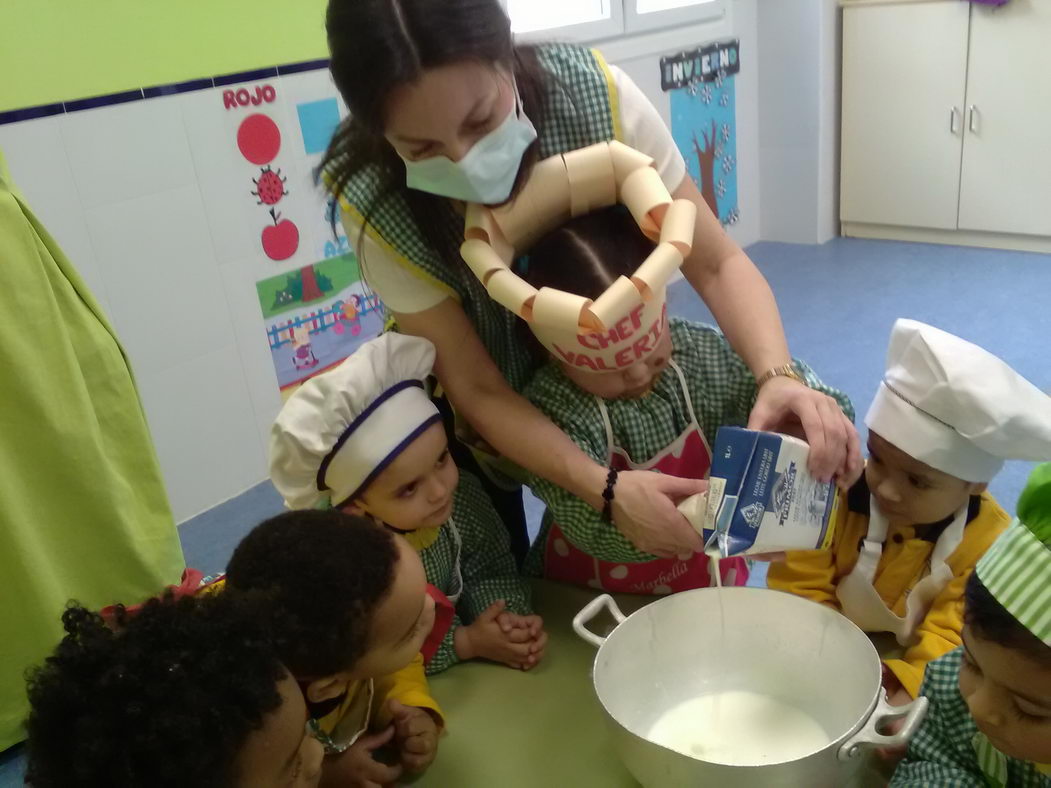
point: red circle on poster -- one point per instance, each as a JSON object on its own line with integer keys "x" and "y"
{"x": 259, "y": 139}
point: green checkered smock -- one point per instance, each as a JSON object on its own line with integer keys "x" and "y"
{"x": 486, "y": 566}
{"x": 948, "y": 751}
{"x": 722, "y": 390}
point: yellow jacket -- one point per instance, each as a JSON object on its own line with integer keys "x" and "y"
{"x": 365, "y": 705}
{"x": 814, "y": 574}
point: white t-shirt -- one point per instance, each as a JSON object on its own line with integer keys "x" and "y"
{"x": 642, "y": 129}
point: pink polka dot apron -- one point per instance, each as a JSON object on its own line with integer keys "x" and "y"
{"x": 689, "y": 457}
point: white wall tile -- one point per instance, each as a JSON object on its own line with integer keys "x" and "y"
{"x": 239, "y": 278}
{"x": 35, "y": 154}
{"x": 166, "y": 296}
{"x": 126, "y": 151}
{"x": 202, "y": 425}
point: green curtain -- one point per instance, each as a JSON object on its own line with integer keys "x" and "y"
{"x": 83, "y": 511}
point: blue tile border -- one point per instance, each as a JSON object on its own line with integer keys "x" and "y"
{"x": 157, "y": 91}
{"x": 307, "y": 65}
{"x": 179, "y": 87}
{"x": 31, "y": 113}
{"x": 245, "y": 76}
{"x": 103, "y": 101}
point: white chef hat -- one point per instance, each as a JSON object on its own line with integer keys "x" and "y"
{"x": 340, "y": 429}
{"x": 957, "y": 407}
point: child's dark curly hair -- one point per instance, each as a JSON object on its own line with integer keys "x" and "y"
{"x": 168, "y": 699}
{"x": 323, "y": 574}
{"x": 992, "y": 621}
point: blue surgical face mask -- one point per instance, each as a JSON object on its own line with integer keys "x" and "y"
{"x": 487, "y": 173}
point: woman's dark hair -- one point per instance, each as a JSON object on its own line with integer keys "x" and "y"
{"x": 322, "y": 573}
{"x": 583, "y": 256}
{"x": 992, "y": 621}
{"x": 166, "y": 699}
{"x": 379, "y": 45}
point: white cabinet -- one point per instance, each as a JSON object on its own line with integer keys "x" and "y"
{"x": 946, "y": 122}
{"x": 1006, "y": 177}
{"x": 904, "y": 79}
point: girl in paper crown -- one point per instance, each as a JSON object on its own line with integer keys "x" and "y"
{"x": 944, "y": 419}
{"x": 990, "y": 717}
{"x": 366, "y": 438}
{"x": 643, "y": 395}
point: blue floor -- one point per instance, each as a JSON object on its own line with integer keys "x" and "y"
{"x": 838, "y": 302}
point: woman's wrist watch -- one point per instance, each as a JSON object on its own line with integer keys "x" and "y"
{"x": 784, "y": 371}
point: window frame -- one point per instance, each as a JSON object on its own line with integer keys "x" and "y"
{"x": 634, "y": 22}
{"x": 625, "y": 20}
{"x": 583, "y": 32}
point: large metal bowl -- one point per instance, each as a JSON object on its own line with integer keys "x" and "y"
{"x": 759, "y": 640}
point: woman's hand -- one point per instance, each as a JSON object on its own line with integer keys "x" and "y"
{"x": 786, "y": 405}
{"x": 644, "y": 511}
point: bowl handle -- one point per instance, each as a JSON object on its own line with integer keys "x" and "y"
{"x": 869, "y": 735}
{"x": 591, "y": 610}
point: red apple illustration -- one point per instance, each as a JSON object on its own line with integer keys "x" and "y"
{"x": 281, "y": 239}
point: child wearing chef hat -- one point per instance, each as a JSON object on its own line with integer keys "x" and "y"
{"x": 366, "y": 438}
{"x": 683, "y": 381}
{"x": 990, "y": 716}
{"x": 945, "y": 418}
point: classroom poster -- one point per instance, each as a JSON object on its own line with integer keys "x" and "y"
{"x": 701, "y": 90}
{"x": 316, "y": 316}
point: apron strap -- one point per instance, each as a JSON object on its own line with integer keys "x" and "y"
{"x": 686, "y": 394}
{"x": 457, "y": 573}
{"x": 872, "y": 545}
{"x": 991, "y": 762}
{"x": 609, "y": 428}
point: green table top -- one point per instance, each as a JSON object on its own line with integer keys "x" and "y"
{"x": 544, "y": 728}
{"x": 541, "y": 728}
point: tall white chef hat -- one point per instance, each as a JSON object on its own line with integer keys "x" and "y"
{"x": 339, "y": 430}
{"x": 957, "y": 407}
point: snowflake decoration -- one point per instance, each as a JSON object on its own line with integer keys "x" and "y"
{"x": 691, "y": 89}
{"x": 728, "y": 164}
{"x": 706, "y": 94}
{"x": 724, "y": 132}
{"x": 732, "y": 217}
{"x": 720, "y": 151}
{"x": 720, "y": 188}
{"x": 720, "y": 78}
{"x": 724, "y": 100}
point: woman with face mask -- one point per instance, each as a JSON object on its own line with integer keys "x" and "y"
{"x": 445, "y": 109}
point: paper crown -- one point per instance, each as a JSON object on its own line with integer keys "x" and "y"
{"x": 622, "y": 325}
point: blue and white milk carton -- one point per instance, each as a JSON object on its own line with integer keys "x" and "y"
{"x": 761, "y": 498}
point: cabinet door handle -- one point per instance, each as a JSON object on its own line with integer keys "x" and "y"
{"x": 954, "y": 120}
{"x": 972, "y": 122}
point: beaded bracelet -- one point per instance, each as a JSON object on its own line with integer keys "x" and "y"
{"x": 607, "y": 495}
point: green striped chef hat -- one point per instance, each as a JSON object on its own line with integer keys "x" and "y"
{"x": 1017, "y": 568}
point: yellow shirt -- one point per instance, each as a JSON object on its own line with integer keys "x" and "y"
{"x": 365, "y": 705}
{"x": 814, "y": 574}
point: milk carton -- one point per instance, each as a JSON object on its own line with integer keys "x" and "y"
{"x": 761, "y": 498}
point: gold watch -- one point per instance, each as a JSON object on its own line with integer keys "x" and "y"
{"x": 785, "y": 371}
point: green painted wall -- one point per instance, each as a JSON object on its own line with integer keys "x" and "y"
{"x": 57, "y": 50}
